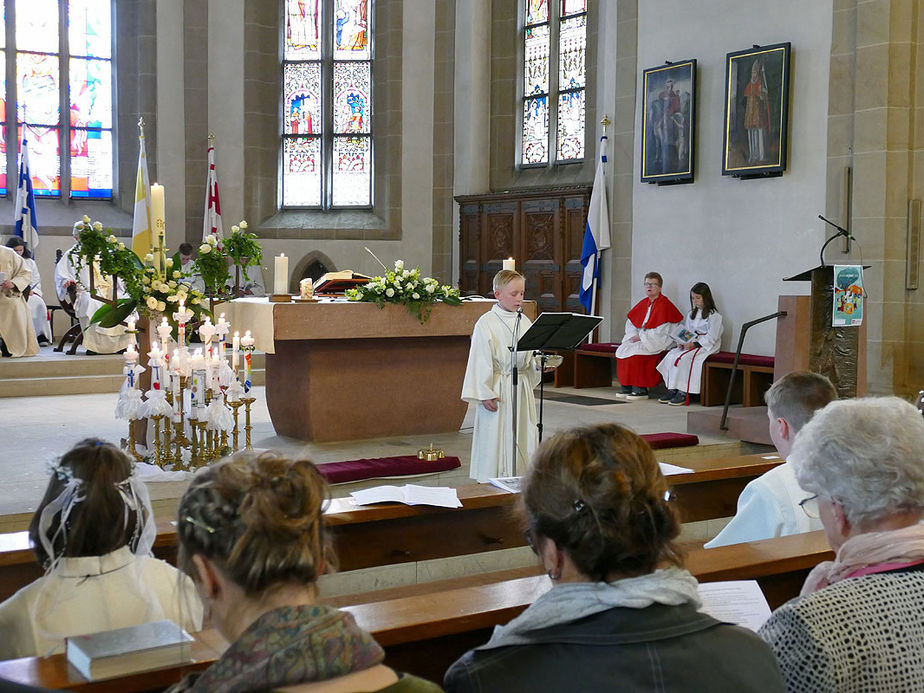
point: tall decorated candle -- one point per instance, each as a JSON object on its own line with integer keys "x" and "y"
{"x": 158, "y": 224}
{"x": 221, "y": 329}
{"x": 235, "y": 349}
{"x": 281, "y": 275}
{"x": 247, "y": 348}
{"x": 163, "y": 331}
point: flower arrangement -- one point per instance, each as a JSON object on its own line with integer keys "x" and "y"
{"x": 149, "y": 290}
{"x": 406, "y": 287}
{"x": 240, "y": 249}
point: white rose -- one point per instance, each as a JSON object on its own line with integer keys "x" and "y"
{"x": 151, "y": 303}
{"x": 146, "y": 279}
{"x": 173, "y": 299}
{"x": 111, "y": 239}
{"x": 172, "y": 284}
{"x": 389, "y": 292}
{"x": 243, "y": 224}
{"x": 121, "y": 246}
{"x": 97, "y": 226}
{"x": 399, "y": 265}
{"x": 235, "y": 228}
{"x": 149, "y": 258}
{"x": 169, "y": 262}
{"x": 431, "y": 288}
{"x": 176, "y": 275}
{"x": 86, "y": 219}
{"x": 415, "y": 295}
{"x": 161, "y": 306}
{"x": 205, "y": 248}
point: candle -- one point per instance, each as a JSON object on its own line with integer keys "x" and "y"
{"x": 221, "y": 329}
{"x": 154, "y": 363}
{"x": 235, "y": 348}
{"x": 281, "y": 276}
{"x": 509, "y": 264}
{"x": 247, "y": 346}
{"x": 177, "y": 400}
{"x": 158, "y": 223}
{"x": 164, "y": 331}
{"x": 306, "y": 288}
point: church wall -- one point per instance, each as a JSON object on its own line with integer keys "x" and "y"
{"x": 740, "y": 236}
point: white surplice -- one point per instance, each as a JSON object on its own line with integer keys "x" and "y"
{"x": 489, "y": 376}
{"x": 16, "y": 328}
{"x": 683, "y": 370}
{"x": 38, "y": 311}
{"x": 102, "y": 340}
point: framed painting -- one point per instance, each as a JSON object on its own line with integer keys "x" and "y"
{"x": 756, "y": 111}
{"x": 668, "y": 122}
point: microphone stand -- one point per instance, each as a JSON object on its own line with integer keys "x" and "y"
{"x": 841, "y": 231}
{"x": 514, "y": 373}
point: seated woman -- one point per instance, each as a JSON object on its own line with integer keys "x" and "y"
{"x": 252, "y": 537}
{"x": 682, "y": 367}
{"x": 622, "y": 613}
{"x": 36, "y": 301}
{"x": 858, "y": 623}
{"x": 93, "y": 532}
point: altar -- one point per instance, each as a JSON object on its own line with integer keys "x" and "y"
{"x": 339, "y": 370}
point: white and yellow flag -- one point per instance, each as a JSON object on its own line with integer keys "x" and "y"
{"x": 141, "y": 223}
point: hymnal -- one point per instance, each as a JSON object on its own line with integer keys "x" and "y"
{"x": 123, "y": 651}
{"x": 440, "y": 496}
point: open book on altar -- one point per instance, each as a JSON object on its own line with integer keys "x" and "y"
{"x": 339, "y": 282}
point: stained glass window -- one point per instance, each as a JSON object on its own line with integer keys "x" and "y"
{"x": 3, "y": 189}
{"x": 327, "y": 90}
{"x": 70, "y": 151}
{"x": 554, "y": 48}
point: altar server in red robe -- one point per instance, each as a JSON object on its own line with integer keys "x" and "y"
{"x": 648, "y": 333}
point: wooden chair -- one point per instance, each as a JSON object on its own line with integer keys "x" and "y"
{"x": 75, "y": 332}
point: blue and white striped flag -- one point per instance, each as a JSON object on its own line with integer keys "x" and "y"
{"x": 26, "y": 225}
{"x": 596, "y": 235}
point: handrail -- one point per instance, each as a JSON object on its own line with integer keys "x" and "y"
{"x": 731, "y": 381}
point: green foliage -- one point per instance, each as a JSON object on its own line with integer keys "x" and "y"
{"x": 217, "y": 255}
{"x": 408, "y": 288}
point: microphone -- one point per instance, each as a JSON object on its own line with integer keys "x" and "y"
{"x": 841, "y": 231}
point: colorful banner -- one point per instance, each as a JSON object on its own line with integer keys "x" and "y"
{"x": 848, "y": 296}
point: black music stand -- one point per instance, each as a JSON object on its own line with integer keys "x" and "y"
{"x": 558, "y": 332}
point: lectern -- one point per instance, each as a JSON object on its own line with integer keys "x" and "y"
{"x": 806, "y": 340}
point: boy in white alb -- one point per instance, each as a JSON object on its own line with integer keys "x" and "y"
{"x": 489, "y": 385}
{"x": 774, "y": 505}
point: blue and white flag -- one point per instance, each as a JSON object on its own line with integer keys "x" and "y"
{"x": 26, "y": 225}
{"x": 596, "y": 236}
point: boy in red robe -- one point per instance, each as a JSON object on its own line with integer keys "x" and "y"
{"x": 648, "y": 333}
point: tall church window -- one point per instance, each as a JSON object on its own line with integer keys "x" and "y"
{"x": 327, "y": 147}
{"x": 62, "y": 95}
{"x": 554, "y": 48}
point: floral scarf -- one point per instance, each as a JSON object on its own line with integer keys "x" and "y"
{"x": 286, "y": 646}
{"x": 904, "y": 546}
{"x": 572, "y": 601}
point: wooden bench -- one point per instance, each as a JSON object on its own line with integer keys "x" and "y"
{"x": 754, "y": 378}
{"x": 593, "y": 365}
{"x": 391, "y": 533}
{"x": 423, "y": 634}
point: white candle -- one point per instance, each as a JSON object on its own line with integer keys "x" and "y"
{"x": 509, "y": 264}
{"x": 281, "y": 276}
{"x": 158, "y": 222}
{"x": 235, "y": 348}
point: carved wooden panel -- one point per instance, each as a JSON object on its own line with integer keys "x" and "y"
{"x": 542, "y": 230}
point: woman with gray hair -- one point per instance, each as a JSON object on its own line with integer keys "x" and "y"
{"x": 859, "y": 622}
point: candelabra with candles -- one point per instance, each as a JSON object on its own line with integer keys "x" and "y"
{"x": 195, "y": 395}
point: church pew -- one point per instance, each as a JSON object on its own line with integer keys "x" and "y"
{"x": 423, "y": 634}
{"x": 386, "y": 534}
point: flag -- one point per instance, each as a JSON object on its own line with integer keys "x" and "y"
{"x": 596, "y": 236}
{"x": 211, "y": 222}
{"x": 142, "y": 237}
{"x": 26, "y": 225}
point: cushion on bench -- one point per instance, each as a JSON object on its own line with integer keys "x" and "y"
{"x": 406, "y": 465}
{"x": 658, "y": 441}
{"x": 606, "y": 347}
{"x": 744, "y": 360}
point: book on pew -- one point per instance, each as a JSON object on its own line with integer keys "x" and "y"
{"x": 735, "y": 601}
{"x": 511, "y": 484}
{"x": 410, "y": 494}
{"x": 124, "y": 651}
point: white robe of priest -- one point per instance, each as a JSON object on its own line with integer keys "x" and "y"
{"x": 683, "y": 369}
{"x": 489, "y": 376}
{"x": 102, "y": 340}
{"x": 16, "y": 328}
{"x": 38, "y": 311}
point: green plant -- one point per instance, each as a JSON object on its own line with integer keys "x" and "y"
{"x": 408, "y": 288}
{"x": 241, "y": 249}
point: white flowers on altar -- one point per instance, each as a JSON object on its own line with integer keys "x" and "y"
{"x": 406, "y": 287}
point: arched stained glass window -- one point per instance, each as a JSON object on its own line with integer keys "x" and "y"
{"x": 554, "y": 48}
{"x": 327, "y": 104}
{"x": 62, "y": 94}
